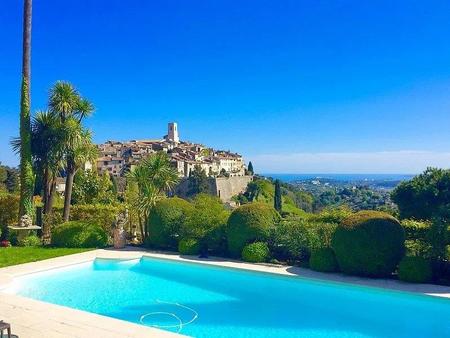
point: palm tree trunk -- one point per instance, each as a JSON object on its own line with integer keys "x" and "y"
{"x": 26, "y": 168}
{"x": 141, "y": 228}
{"x": 68, "y": 189}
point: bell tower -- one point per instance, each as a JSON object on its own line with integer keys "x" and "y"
{"x": 172, "y": 132}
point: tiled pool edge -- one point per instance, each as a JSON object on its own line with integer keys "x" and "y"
{"x": 31, "y": 318}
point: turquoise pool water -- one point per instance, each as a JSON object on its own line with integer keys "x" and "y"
{"x": 205, "y": 301}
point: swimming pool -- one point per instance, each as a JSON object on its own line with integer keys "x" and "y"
{"x": 207, "y": 301}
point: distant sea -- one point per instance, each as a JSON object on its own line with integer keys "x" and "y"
{"x": 340, "y": 177}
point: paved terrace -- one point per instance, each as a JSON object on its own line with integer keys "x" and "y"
{"x": 35, "y": 319}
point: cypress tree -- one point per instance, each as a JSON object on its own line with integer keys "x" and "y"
{"x": 277, "y": 203}
{"x": 250, "y": 168}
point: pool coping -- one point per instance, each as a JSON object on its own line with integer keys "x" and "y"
{"x": 32, "y": 318}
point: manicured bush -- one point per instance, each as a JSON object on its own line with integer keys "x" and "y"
{"x": 188, "y": 246}
{"x": 77, "y": 234}
{"x": 323, "y": 259}
{"x": 165, "y": 222}
{"x": 207, "y": 223}
{"x": 31, "y": 240}
{"x": 249, "y": 223}
{"x": 414, "y": 270}
{"x": 257, "y": 252}
{"x": 369, "y": 243}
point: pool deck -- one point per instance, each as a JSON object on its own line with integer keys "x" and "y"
{"x": 35, "y": 319}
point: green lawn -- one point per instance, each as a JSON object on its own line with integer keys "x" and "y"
{"x": 19, "y": 255}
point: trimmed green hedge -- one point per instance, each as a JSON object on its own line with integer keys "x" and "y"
{"x": 257, "y": 252}
{"x": 188, "y": 246}
{"x": 369, "y": 243}
{"x": 77, "y": 234}
{"x": 415, "y": 270}
{"x": 165, "y": 222}
{"x": 249, "y": 223}
{"x": 324, "y": 260}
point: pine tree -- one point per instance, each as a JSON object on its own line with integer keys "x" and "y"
{"x": 277, "y": 203}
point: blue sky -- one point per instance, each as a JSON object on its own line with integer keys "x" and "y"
{"x": 295, "y": 86}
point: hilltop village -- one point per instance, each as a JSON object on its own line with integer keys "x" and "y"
{"x": 226, "y": 171}
{"x": 119, "y": 157}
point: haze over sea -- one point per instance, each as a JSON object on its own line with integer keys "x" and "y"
{"x": 340, "y": 177}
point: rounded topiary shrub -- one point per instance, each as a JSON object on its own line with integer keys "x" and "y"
{"x": 165, "y": 222}
{"x": 78, "y": 234}
{"x": 369, "y": 243}
{"x": 188, "y": 246}
{"x": 257, "y": 252}
{"x": 31, "y": 240}
{"x": 415, "y": 270}
{"x": 323, "y": 260}
{"x": 249, "y": 223}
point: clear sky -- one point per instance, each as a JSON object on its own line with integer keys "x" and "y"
{"x": 295, "y": 86}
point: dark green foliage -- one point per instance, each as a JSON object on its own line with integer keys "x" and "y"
{"x": 323, "y": 259}
{"x": 189, "y": 246}
{"x": 424, "y": 195}
{"x": 78, "y": 234}
{"x": 277, "y": 202}
{"x": 414, "y": 270}
{"x": 165, "y": 222}
{"x": 31, "y": 240}
{"x": 207, "y": 222}
{"x": 9, "y": 179}
{"x": 198, "y": 181}
{"x": 437, "y": 238}
{"x": 257, "y": 252}
{"x": 9, "y": 209}
{"x": 369, "y": 243}
{"x": 249, "y": 223}
{"x": 250, "y": 168}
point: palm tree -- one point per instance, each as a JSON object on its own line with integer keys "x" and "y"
{"x": 66, "y": 103}
{"x": 79, "y": 149}
{"x": 154, "y": 178}
{"x": 47, "y": 146}
{"x": 26, "y": 168}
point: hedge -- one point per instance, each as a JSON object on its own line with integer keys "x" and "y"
{"x": 257, "y": 252}
{"x": 324, "y": 260}
{"x": 249, "y": 223}
{"x": 77, "y": 234}
{"x": 188, "y": 246}
{"x": 369, "y": 243}
{"x": 415, "y": 270}
{"x": 165, "y": 222}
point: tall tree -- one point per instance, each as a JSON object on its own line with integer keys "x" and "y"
{"x": 250, "y": 168}
{"x": 79, "y": 150}
{"x": 277, "y": 201}
{"x": 47, "y": 148}
{"x": 26, "y": 168}
{"x": 198, "y": 181}
{"x": 66, "y": 103}
{"x": 152, "y": 179}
